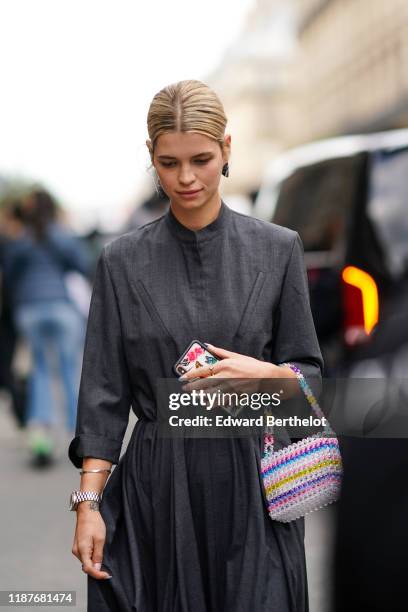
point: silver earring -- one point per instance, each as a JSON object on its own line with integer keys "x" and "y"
{"x": 225, "y": 170}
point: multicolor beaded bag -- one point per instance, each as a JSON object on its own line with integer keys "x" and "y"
{"x": 305, "y": 475}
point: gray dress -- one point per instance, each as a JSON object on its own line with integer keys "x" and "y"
{"x": 187, "y": 526}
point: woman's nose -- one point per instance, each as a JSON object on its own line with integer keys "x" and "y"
{"x": 186, "y": 176}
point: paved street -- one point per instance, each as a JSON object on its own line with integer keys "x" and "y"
{"x": 36, "y": 529}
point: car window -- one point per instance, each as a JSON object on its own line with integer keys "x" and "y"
{"x": 315, "y": 201}
{"x": 387, "y": 206}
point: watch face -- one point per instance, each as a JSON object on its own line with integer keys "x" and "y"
{"x": 73, "y": 500}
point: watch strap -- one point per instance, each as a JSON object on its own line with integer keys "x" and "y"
{"x": 81, "y": 496}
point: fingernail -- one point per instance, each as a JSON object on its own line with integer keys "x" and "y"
{"x": 206, "y": 344}
{"x": 97, "y": 566}
{"x": 108, "y": 577}
{"x": 182, "y": 377}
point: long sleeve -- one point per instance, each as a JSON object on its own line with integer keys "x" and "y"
{"x": 295, "y": 338}
{"x": 69, "y": 249}
{"x": 105, "y": 394}
{"x": 14, "y": 255}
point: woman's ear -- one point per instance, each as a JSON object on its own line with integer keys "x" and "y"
{"x": 149, "y": 146}
{"x": 226, "y": 149}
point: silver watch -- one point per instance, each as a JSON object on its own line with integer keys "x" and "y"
{"x": 79, "y": 496}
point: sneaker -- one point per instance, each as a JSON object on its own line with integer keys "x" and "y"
{"x": 41, "y": 447}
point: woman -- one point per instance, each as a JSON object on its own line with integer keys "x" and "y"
{"x": 182, "y": 524}
{"x": 36, "y": 261}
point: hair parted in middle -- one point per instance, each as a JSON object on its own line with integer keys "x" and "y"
{"x": 186, "y": 106}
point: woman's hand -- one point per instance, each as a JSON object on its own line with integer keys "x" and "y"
{"x": 232, "y": 365}
{"x": 89, "y": 540}
{"x": 247, "y": 372}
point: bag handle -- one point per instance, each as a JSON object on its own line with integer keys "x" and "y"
{"x": 314, "y": 404}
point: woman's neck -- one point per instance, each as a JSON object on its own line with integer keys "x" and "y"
{"x": 196, "y": 219}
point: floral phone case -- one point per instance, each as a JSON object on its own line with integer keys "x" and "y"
{"x": 196, "y": 355}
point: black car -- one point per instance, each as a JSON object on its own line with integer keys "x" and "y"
{"x": 348, "y": 199}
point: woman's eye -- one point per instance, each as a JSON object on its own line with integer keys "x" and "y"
{"x": 200, "y": 162}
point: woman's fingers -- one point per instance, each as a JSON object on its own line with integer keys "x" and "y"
{"x": 75, "y": 551}
{"x": 97, "y": 555}
{"x": 202, "y": 372}
{"x": 89, "y": 565}
{"x": 89, "y": 568}
{"x": 220, "y": 352}
{"x": 211, "y": 369}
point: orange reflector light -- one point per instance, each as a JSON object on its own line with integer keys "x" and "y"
{"x": 369, "y": 293}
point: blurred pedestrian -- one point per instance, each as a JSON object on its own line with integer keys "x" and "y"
{"x": 10, "y": 227}
{"x": 35, "y": 265}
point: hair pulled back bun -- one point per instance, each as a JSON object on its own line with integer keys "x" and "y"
{"x": 186, "y": 106}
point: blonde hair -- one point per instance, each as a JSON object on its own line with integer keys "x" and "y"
{"x": 186, "y": 106}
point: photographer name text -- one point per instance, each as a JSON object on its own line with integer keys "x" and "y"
{"x": 259, "y": 421}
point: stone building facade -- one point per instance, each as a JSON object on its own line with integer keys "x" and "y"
{"x": 309, "y": 69}
{"x": 351, "y": 66}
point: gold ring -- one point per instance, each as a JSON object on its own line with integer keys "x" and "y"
{"x": 211, "y": 370}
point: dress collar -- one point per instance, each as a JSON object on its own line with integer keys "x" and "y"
{"x": 206, "y": 233}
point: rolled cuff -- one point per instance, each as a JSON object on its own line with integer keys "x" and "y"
{"x": 99, "y": 447}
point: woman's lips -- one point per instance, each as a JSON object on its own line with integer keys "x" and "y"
{"x": 189, "y": 194}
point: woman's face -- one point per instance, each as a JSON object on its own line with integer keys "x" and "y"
{"x": 189, "y": 167}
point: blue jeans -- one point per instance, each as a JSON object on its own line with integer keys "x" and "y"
{"x": 52, "y": 327}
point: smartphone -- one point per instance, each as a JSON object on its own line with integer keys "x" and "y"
{"x": 196, "y": 355}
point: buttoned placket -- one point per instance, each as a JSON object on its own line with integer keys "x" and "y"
{"x": 198, "y": 247}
